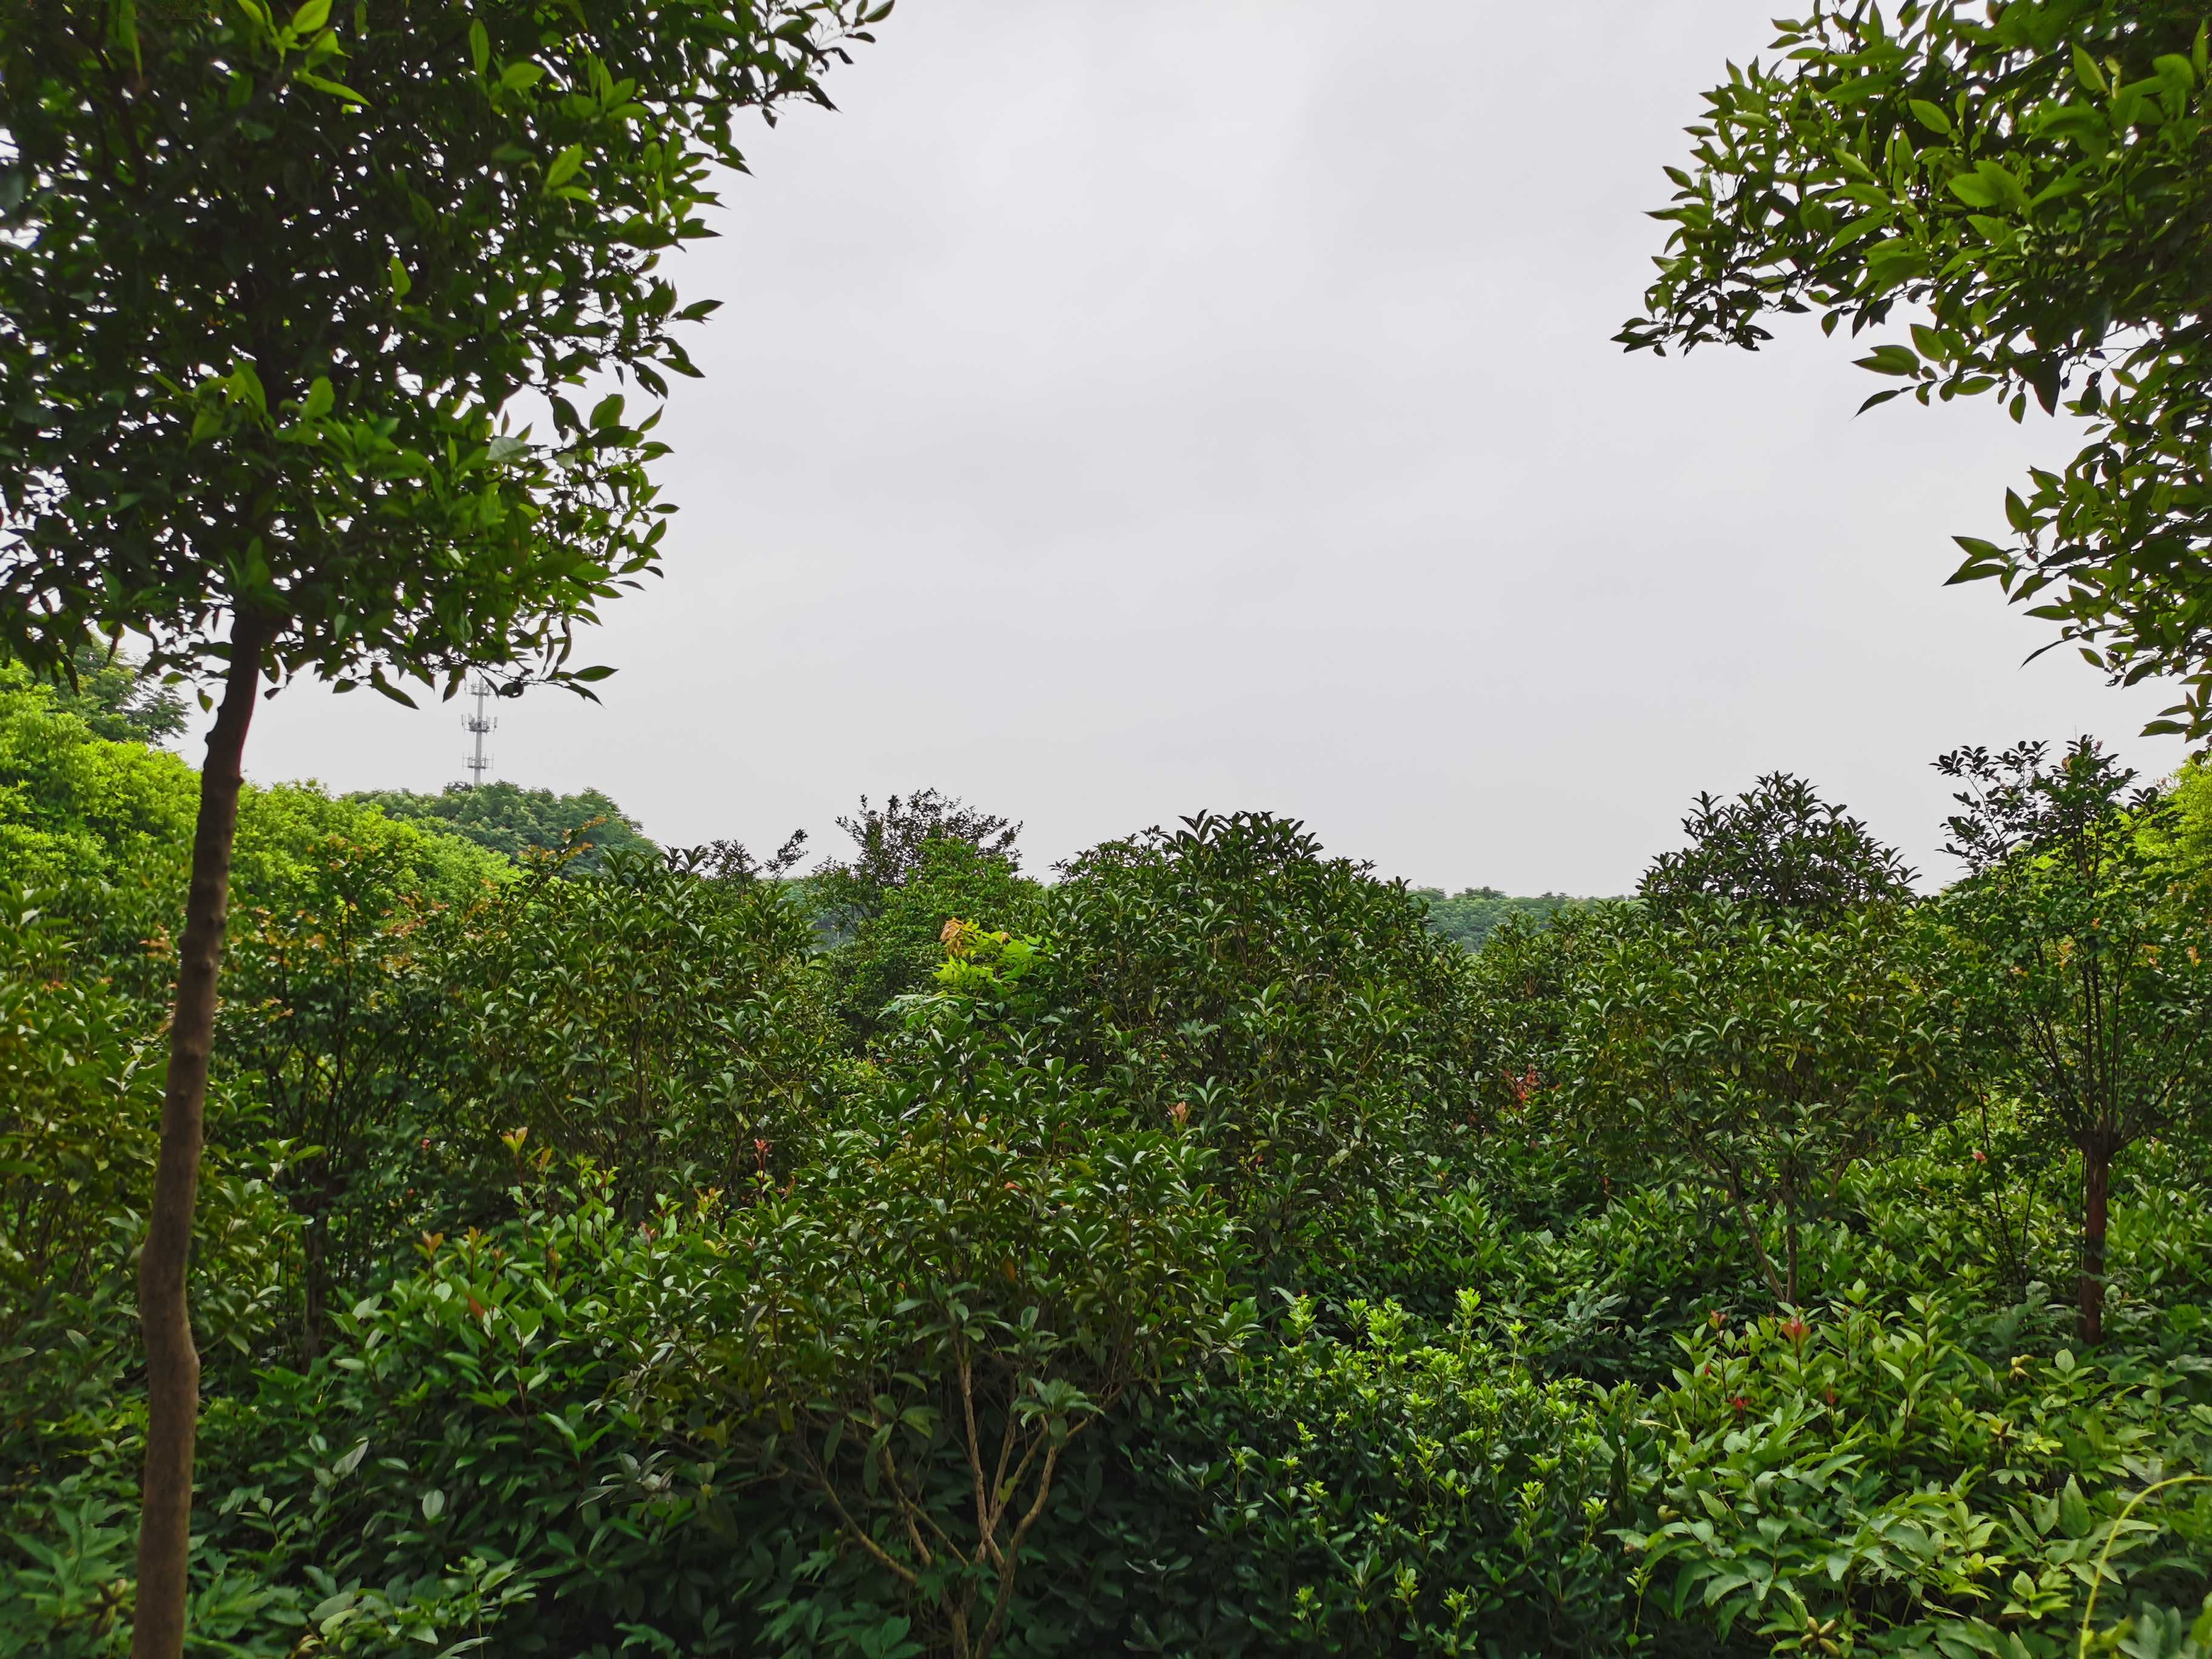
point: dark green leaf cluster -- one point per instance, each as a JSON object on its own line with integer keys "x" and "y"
{"x": 1294, "y": 1010}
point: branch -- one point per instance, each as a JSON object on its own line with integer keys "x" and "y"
{"x": 829, "y": 1492}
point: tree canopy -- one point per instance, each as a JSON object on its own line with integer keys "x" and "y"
{"x": 1779, "y": 847}
{"x": 295, "y": 312}
{"x": 2034, "y": 178}
{"x": 512, "y": 820}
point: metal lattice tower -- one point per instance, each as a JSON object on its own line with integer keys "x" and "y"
{"x": 478, "y": 724}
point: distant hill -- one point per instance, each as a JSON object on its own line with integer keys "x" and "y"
{"x": 510, "y": 819}
{"x": 1469, "y": 915}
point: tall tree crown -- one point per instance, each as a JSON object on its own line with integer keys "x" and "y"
{"x": 301, "y": 318}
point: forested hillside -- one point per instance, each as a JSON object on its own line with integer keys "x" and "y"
{"x": 506, "y": 817}
{"x": 1196, "y": 1253}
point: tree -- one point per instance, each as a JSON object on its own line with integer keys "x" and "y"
{"x": 1779, "y": 848}
{"x": 666, "y": 1025}
{"x": 1296, "y": 1013}
{"x": 1531, "y": 975}
{"x": 2034, "y": 175}
{"x": 1770, "y": 1054}
{"x": 336, "y": 1015}
{"x": 274, "y": 296}
{"x": 890, "y": 843}
{"x": 947, "y": 1300}
{"x": 113, "y": 694}
{"x": 510, "y": 819}
{"x": 2083, "y": 959}
{"x": 898, "y": 943}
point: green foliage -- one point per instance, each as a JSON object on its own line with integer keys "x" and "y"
{"x": 2032, "y": 177}
{"x": 78, "y": 1115}
{"x": 1900, "y": 1483}
{"x": 1470, "y": 916}
{"x": 896, "y": 932}
{"x": 953, "y": 1297}
{"x": 118, "y": 698}
{"x": 1201, "y": 1254}
{"x": 1394, "y": 1487}
{"x": 1767, "y": 1055}
{"x": 515, "y": 822}
{"x": 75, "y": 1141}
{"x": 890, "y": 843}
{"x": 337, "y": 250}
{"x": 102, "y": 830}
{"x": 1529, "y": 977}
{"x": 2079, "y": 958}
{"x": 1780, "y": 848}
{"x": 1298, "y": 1015}
{"x": 663, "y": 1024}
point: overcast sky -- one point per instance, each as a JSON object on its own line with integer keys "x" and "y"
{"x": 1122, "y": 410}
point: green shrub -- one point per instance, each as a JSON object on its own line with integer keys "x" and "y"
{"x": 1896, "y": 1482}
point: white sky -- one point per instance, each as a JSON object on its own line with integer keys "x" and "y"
{"x": 1125, "y": 408}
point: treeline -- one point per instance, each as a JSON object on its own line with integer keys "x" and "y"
{"x": 1469, "y": 916}
{"x": 1196, "y": 1254}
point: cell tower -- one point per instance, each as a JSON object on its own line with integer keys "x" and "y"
{"x": 478, "y": 724}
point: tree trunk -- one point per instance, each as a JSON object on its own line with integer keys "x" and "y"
{"x": 2096, "y": 1190}
{"x": 315, "y": 1244}
{"x": 173, "y": 1364}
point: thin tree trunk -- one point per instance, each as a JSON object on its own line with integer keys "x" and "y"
{"x": 315, "y": 1244}
{"x": 173, "y": 1364}
{"x": 1752, "y": 1231}
{"x": 2096, "y": 1194}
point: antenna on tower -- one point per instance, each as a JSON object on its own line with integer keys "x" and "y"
{"x": 479, "y": 724}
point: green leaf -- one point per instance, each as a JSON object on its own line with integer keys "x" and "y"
{"x": 1931, "y": 116}
{"x": 2176, "y": 71}
{"x": 479, "y": 47}
{"x": 319, "y": 399}
{"x": 311, "y": 17}
{"x": 565, "y": 167}
{"x": 123, "y": 29}
{"x": 2074, "y": 1511}
{"x": 330, "y": 87}
{"x": 607, "y": 412}
{"x": 401, "y": 282}
{"x": 1892, "y": 360}
{"x": 522, "y": 76}
{"x": 1891, "y": 263}
{"x": 1983, "y": 560}
{"x": 333, "y": 87}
